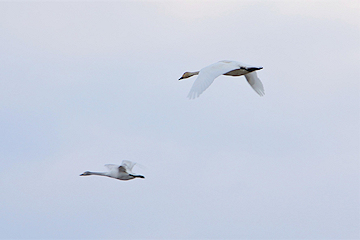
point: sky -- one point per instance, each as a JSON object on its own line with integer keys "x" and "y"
{"x": 85, "y": 84}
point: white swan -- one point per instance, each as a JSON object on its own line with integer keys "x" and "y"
{"x": 122, "y": 172}
{"x": 232, "y": 68}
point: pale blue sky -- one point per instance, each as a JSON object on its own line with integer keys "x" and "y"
{"x": 86, "y": 84}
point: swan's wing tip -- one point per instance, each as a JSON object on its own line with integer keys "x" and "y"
{"x": 192, "y": 95}
{"x": 255, "y": 83}
{"x": 127, "y": 162}
{"x": 261, "y": 92}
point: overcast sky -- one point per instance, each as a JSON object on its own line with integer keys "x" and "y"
{"x": 87, "y": 84}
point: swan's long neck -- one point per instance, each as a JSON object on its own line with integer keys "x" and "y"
{"x": 98, "y": 173}
{"x": 88, "y": 173}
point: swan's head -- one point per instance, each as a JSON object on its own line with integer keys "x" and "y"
{"x": 85, "y": 173}
{"x": 188, "y": 74}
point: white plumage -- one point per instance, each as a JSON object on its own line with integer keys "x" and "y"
{"x": 122, "y": 172}
{"x": 208, "y": 74}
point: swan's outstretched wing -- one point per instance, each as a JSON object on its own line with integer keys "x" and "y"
{"x": 111, "y": 166}
{"x": 255, "y": 83}
{"x": 208, "y": 74}
{"x": 128, "y": 165}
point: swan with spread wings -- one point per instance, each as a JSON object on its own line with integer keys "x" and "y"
{"x": 208, "y": 74}
{"x": 122, "y": 172}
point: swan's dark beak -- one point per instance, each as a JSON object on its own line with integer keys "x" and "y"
{"x": 181, "y": 78}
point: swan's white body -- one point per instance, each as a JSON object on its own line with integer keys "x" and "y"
{"x": 208, "y": 74}
{"x": 122, "y": 172}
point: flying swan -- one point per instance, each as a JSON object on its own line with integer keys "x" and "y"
{"x": 122, "y": 172}
{"x": 232, "y": 68}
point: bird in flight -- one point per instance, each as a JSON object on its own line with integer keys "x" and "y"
{"x": 208, "y": 74}
{"x": 122, "y": 172}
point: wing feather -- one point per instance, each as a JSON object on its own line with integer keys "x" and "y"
{"x": 207, "y": 76}
{"x": 111, "y": 166}
{"x": 255, "y": 83}
{"x": 128, "y": 165}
